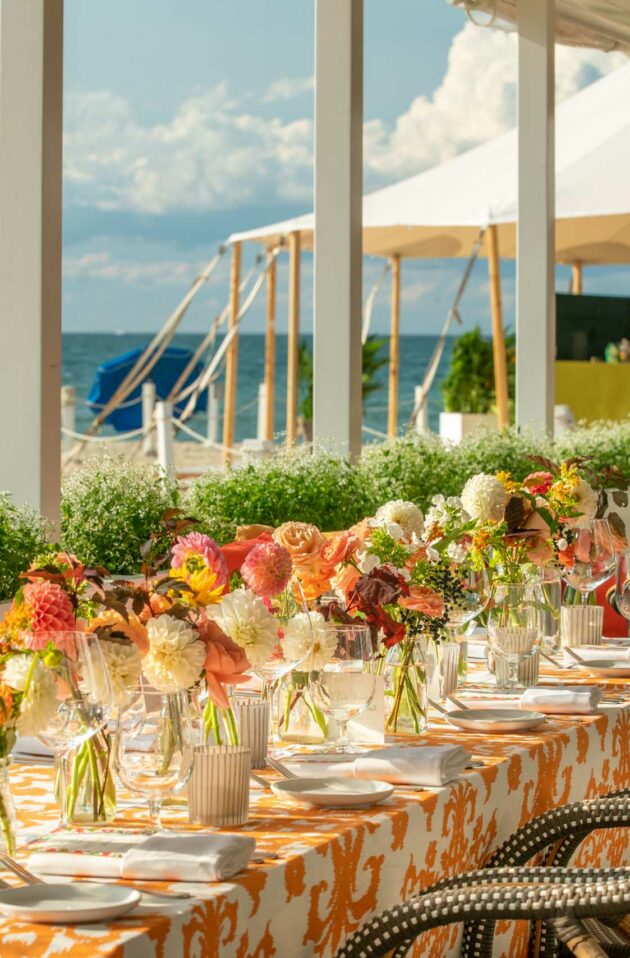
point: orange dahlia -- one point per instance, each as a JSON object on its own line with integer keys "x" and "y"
{"x": 50, "y": 610}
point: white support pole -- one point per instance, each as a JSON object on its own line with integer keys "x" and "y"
{"x": 338, "y": 221}
{"x": 535, "y": 268}
{"x": 212, "y": 428}
{"x": 31, "y": 86}
{"x": 261, "y": 424}
{"x": 68, "y": 415}
{"x": 422, "y": 418}
{"x": 165, "y": 439}
{"x": 148, "y": 408}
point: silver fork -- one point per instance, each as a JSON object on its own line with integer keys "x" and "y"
{"x": 280, "y": 768}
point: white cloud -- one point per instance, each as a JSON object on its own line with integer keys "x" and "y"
{"x": 100, "y": 266}
{"x": 209, "y": 155}
{"x": 287, "y": 88}
{"x": 475, "y": 101}
{"x": 213, "y": 154}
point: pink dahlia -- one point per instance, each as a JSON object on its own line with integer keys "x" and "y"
{"x": 267, "y": 569}
{"x": 50, "y": 610}
{"x": 195, "y": 544}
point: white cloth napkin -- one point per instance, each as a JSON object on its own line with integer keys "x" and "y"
{"x": 180, "y": 856}
{"x": 430, "y": 765}
{"x": 577, "y": 700}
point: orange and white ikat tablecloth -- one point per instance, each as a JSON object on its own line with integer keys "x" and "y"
{"x": 335, "y": 869}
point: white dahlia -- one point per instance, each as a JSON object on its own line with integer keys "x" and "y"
{"x": 484, "y": 497}
{"x": 586, "y": 504}
{"x": 249, "y": 623}
{"x": 40, "y": 701}
{"x": 309, "y": 630}
{"x": 176, "y": 654}
{"x": 403, "y": 514}
{"x": 124, "y": 665}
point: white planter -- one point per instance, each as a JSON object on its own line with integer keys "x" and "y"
{"x": 455, "y": 425}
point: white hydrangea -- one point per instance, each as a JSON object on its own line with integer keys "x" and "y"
{"x": 124, "y": 665}
{"x": 484, "y": 497}
{"x": 400, "y": 513}
{"x": 249, "y": 623}
{"x": 586, "y": 504}
{"x": 39, "y": 704}
{"x": 176, "y": 654}
{"x": 309, "y": 630}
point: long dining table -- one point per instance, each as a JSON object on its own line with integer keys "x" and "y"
{"x": 319, "y": 874}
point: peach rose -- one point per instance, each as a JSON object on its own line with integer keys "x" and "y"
{"x": 538, "y": 548}
{"x": 226, "y": 663}
{"x": 336, "y": 550}
{"x": 345, "y": 580}
{"x": 423, "y": 599}
{"x": 302, "y": 541}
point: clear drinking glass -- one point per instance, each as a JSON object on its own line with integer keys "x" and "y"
{"x": 155, "y": 748}
{"x": 344, "y": 686}
{"x": 472, "y": 599}
{"x": 514, "y": 624}
{"x": 551, "y": 594}
{"x": 593, "y": 558}
{"x": 622, "y": 584}
{"x": 84, "y": 699}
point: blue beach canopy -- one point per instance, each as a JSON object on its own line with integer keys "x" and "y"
{"x": 164, "y": 374}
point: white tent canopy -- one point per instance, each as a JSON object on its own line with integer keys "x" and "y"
{"x": 438, "y": 213}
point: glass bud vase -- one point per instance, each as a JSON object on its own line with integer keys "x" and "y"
{"x": 84, "y": 783}
{"x": 404, "y": 674}
{"x": 7, "y": 810}
{"x": 299, "y": 720}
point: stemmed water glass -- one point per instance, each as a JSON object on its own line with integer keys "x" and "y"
{"x": 622, "y": 585}
{"x": 84, "y": 701}
{"x": 593, "y": 558}
{"x": 155, "y": 747}
{"x": 344, "y": 686}
{"x": 514, "y": 624}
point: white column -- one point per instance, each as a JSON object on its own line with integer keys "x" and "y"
{"x": 261, "y": 423}
{"x": 31, "y": 85}
{"x": 535, "y": 268}
{"x": 164, "y": 436}
{"x": 68, "y": 415}
{"x": 338, "y": 222}
{"x": 422, "y": 419}
{"x": 148, "y": 408}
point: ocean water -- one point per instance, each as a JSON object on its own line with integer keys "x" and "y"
{"x": 83, "y": 352}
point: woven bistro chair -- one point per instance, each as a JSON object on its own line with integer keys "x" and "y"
{"x": 552, "y": 839}
{"x": 562, "y": 898}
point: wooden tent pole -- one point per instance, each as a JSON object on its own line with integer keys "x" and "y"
{"x": 270, "y": 346}
{"x": 293, "y": 338}
{"x": 231, "y": 363}
{"x": 576, "y": 279}
{"x": 498, "y": 333}
{"x": 394, "y": 349}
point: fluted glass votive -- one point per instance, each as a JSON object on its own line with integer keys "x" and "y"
{"x": 218, "y": 790}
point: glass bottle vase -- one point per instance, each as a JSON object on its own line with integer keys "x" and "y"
{"x": 404, "y": 673}
{"x": 84, "y": 783}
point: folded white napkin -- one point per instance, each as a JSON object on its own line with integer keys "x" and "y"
{"x": 430, "y": 765}
{"x": 577, "y": 700}
{"x": 180, "y": 856}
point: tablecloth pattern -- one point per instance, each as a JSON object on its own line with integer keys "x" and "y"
{"x": 338, "y": 868}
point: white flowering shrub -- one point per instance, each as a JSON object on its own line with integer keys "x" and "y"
{"x": 307, "y": 486}
{"x": 22, "y": 536}
{"x": 110, "y": 507}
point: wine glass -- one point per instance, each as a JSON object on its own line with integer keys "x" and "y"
{"x": 83, "y": 696}
{"x": 471, "y": 599}
{"x": 155, "y": 748}
{"x": 593, "y": 558}
{"x": 622, "y": 584}
{"x": 344, "y": 686}
{"x": 514, "y": 624}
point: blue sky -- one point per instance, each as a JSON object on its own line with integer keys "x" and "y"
{"x": 188, "y": 119}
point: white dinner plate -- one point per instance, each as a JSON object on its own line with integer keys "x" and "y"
{"x": 494, "y": 720}
{"x": 608, "y": 668}
{"x": 67, "y": 904}
{"x": 334, "y": 792}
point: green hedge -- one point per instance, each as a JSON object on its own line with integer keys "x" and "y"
{"x": 110, "y": 506}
